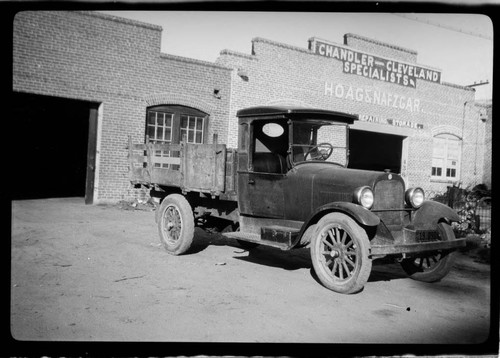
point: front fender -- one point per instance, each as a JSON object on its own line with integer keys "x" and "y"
{"x": 357, "y": 212}
{"x": 430, "y": 213}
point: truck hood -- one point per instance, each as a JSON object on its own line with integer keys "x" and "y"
{"x": 328, "y": 183}
{"x": 344, "y": 177}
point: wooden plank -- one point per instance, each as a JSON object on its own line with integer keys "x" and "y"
{"x": 201, "y": 163}
{"x": 163, "y": 176}
{"x": 134, "y": 161}
{"x": 140, "y": 146}
{"x": 138, "y": 174}
{"x": 166, "y": 147}
{"x": 156, "y": 146}
{"x": 230, "y": 176}
{"x": 220, "y": 169}
{"x": 166, "y": 160}
{"x": 202, "y": 166}
{"x": 156, "y": 160}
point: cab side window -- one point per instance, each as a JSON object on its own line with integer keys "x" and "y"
{"x": 270, "y": 147}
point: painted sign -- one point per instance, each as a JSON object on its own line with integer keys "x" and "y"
{"x": 373, "y": 96}
{"x": 378, "y": 68}
{"x": 390, "y": 121}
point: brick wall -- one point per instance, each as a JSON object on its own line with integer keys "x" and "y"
{"x": 117, "y": 63}
{"x": 486, "y": 115}
{"x": 282, "y": 74}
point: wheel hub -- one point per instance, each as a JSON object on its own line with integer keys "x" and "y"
{"x": 335, "y": 253}
{"x": 338, "y": 251}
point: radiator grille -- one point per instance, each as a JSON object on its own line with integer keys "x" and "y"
{"x": 389, "y": 194}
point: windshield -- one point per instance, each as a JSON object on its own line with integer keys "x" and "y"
{"x": 315, "y": 140}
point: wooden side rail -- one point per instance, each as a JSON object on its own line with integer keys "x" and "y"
{"x": 191, "y": 167}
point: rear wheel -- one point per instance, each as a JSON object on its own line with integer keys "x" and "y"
{"x": 339, "y": 253}
{"x": 176, "y": 224}
{"x": 431, "y": 267}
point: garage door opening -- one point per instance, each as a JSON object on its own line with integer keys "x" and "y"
{"x": 375, "y": 151}
{"x": 54, "y": 147}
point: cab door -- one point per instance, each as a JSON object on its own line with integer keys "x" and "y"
{"x": 262, "y": 168}
{"x": 262, "y": 194}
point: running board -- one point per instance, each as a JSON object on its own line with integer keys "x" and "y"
{"x": 276, "y": 236}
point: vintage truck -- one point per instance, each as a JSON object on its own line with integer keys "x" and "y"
{"x": 288, "y": 185}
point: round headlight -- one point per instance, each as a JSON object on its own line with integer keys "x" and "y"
{"x": 415, "y": 197}
{"x": 364, "y": 196}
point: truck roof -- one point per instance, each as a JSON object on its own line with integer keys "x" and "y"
{"x": 297, "y": 112}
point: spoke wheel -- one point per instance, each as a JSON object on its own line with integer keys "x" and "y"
{"x": 176, "y": 224}
{"x": 431, "y": 267}
{"x": 339, "y": 253}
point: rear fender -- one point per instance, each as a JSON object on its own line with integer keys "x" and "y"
{"x": 357, "y": 212}
{"x": 431, "y": 213}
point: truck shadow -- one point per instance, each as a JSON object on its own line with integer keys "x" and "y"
{"x": 261, "y": 255}
{"x": 269, "y": 256}
{"x": 386, "y": 270}
{"x": 203, "y": 239}
{"x": 382, "y": 270}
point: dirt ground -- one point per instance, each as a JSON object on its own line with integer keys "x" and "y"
{"x": 99, "y": 273}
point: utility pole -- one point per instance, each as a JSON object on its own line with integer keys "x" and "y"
{"x": 478, "y": 84}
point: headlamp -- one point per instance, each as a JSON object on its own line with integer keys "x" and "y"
{"x": 364, "y": 196}
{"x": 415, "y": 197}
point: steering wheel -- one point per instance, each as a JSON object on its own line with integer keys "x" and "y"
{"x": 321, "y": 154}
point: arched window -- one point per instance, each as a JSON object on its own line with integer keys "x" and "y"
{"x": 446, "y": 157}
{"x": 172, "y": 124}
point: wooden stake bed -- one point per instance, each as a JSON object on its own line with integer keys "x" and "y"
{"x": 188, "y": 166}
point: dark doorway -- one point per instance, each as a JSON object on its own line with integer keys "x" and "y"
{"x": 50, "y": 147}
{"x": 375, "y": 151}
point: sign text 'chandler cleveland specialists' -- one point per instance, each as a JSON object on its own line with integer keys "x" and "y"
{"x": 362, "y": 64}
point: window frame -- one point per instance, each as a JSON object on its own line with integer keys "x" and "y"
{"x": 446, "y": 139}
{"x": 176, "y": 113}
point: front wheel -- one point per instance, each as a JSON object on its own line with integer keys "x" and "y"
{"x": 176, "y": 224}
{"x": 339, "y": 253}
{"x": 431, "y": 267}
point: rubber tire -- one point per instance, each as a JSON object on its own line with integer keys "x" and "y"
{"x": 363, "y": 263}
{"x": 443, "y": 266}
{"x": 186, "y": 235}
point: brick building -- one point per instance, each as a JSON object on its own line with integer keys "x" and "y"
{"x": 410, "y": 121}
{"x": 84, "y": 81}
{"x": 83, "y": 77}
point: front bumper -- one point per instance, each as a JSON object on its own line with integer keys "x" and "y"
{"x": 416, "y": 247}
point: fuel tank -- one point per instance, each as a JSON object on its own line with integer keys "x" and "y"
{"x": 311, "y": 185}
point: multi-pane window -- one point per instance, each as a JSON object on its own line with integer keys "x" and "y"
{"x": 159, "y": 127}
{"x": 170, "y": 124}
{"x": 445, "y": 157}
{"x": 192, "y": 128}
{"x": 159, "y": 130}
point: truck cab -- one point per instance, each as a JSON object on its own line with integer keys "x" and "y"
{"x": 288, "y": 185}
{"x": 280, "y": 150}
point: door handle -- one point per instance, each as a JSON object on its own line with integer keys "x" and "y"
{"x": 251, "y": 181}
